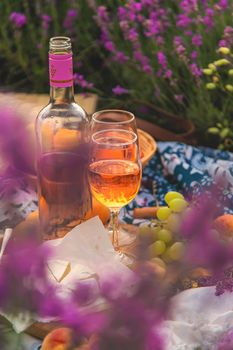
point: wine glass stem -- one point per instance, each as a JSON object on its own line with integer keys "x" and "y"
{"x": 115, "y": 228}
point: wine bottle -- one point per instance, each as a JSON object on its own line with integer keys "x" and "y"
{"x": 62, "y": 149}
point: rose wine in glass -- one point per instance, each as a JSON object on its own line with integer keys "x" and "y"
{"x": 62, "y": 129}
{"x": 113, "y": 120}
{"x": 114, "y": 172}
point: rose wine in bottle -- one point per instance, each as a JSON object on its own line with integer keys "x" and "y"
{"x": 62, "y": 149}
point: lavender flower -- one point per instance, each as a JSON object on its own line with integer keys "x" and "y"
{"x": 208, "y": 19}
{"x": 133, "y": 317}
{"x": 195, "y": 70}
{"x": 82, "y": 82}
{"x": 225, "y": 341}
{"x": 46, "y": 19}
{"x": 183, "y": 21}
{"x": 197, "y": 40}
{"x": 69, "y": 20}
{"x": 102, "y": 13}
{"x": 18, "y": 19}
{"x": 120, "y": 57}
{"x": 162, "y": 59}
{"x": 223, "y": 4}
{"x": 24, "y": 263}
{"x": 119, "y": 90}
{"x": 203, "y": 248}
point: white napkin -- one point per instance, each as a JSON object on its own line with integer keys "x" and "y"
{"x": 86, "y": 253}
{"x": 198, "y": 318}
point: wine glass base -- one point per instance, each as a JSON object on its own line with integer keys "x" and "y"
{"x": 126, "y": 244}
{"x": 124, "y": 258}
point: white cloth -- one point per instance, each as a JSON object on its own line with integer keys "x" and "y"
{"x": 198, "y": 319}
{"x": 89, "y": 253}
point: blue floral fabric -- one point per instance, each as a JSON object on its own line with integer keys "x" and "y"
{"x": 186, "y": 169}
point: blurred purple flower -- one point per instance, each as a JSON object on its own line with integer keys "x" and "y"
{"x": 132, "y": 34}
{"x": 135, "y": 6}
{"x": 195, "y": 70}
{"x": 82, "y": 82}
{"x": 194, "y": 55}
{"x": 203, "y": 247}
{"x": 227, "y": 39}
{"x": 24, "y": 263}
{"x": 18, "y": 19}
{"x": 69, "y": 20}
{"x": 183, "y": 21}
{"x": 16, "y": 148}
{"x": 120, "y": 57}
{"x": 122, "y": 13}
{"x": 208, "y": 19}
{"x": 119, "y": 90}
{"x": 223, "y": 4}
{"x": 222, "y": 43}
{"x": 168, "y": 74}
{"x": 134, "y": 314}
{"x": 225, "y": 342}
{"x": 109, "y": 45}
{"x": 102, "y": 13}
{"x": 179, "y": 98}
{"x": 197, "y": 40}
{"x": 46, "y": 19}
{"x": 162, "y": 59}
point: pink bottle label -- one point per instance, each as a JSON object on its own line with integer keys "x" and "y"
{"x": 61, "y": 70}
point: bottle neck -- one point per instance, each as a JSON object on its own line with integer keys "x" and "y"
{"x": 61, "y": 77}
{"x": 60, "y": 95}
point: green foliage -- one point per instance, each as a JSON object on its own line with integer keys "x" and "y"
{"x": 176, "y": 47}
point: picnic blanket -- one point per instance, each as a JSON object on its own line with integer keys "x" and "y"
{"x": 186, "y": 169}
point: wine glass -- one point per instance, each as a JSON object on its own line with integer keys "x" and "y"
{"x": 113, "y": 119}
{"x": 115, "y": 168}
{"x": 124, "y": 120}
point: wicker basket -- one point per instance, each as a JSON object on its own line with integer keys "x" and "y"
{"x": 147, "y": 146}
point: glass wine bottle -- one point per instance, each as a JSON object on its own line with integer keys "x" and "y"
{"x": 62, "y": 149}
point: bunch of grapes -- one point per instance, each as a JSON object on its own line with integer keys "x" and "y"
{"x": 163, "y": 234}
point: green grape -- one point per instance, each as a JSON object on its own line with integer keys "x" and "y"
{"x": 178, "y": 205}
{"x": 165, "y": 256}
{"x": 157, "y": 248}
{"x": 146, "y": 233}
{"x": 165, "y": 235}
{"x": 159, "y": 262}
{"x": 173, "y": 223}
{"x": 176, "y": 251}
{"x": 172, "y": 195}
{"x": 163, "y": 213}
{"x": 154, "y": 232}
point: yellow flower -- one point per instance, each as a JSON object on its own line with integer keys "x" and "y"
{"x": 230, "y": 72}
{"x": 222, "y": 62}
{"x": 224, "y": 50}
{"x": 229, "y": 87}
{"x": 212, "y": 66}
{"x": 207, "y": 71}
{"x": 210, "y": 86}
{"x": 215, "y": 79}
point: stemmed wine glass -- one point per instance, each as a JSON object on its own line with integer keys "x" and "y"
{"x": 115, "y": 167}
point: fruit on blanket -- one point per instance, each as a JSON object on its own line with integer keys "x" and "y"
{"x": 157, "y": 248}
{"x": 163, "y": 213}
{"x": 178, "y": 205}
{"x": 172, "y": 195}
{"x": 29, "y": 226}
{"x": 224, "y": 225}
{"x": 60, "y": 339}
{"x": 100, "y": 210}
{"x": 162, "y": 235}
